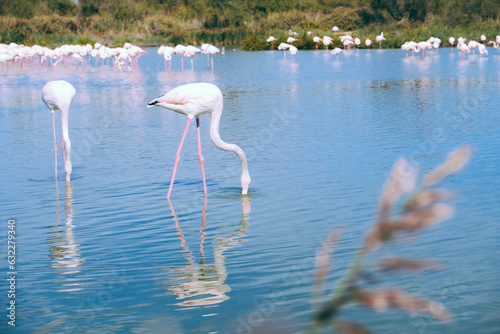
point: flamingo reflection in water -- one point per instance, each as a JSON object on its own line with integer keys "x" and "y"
{"x": 64, "y": 250}
{"x": 203, "y": 283}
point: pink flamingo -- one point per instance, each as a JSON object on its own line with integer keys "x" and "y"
{"x": 194, "y": 100}
{"x": 58, "y": 95}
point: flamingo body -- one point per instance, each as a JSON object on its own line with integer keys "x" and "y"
{"x": 58, "y": 95}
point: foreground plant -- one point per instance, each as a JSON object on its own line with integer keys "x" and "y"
{"x": 406, "y": 207}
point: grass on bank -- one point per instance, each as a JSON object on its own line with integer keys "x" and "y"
{"x": 53, "y": 30}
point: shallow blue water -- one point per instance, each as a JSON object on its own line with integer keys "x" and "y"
{"x": 108, "y": 253}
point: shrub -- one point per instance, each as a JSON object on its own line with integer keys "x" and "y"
{"x": 253, "y": 43}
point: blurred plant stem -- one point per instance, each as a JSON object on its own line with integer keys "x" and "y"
{"x": 405, "y": 207}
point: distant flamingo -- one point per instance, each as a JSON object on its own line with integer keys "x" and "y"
{"x": 180, "y": 50}
{"x": 368, "y": 42}
{"x": 414, "y": 47}
{"x": 191, "y": 51}
{"x": 482, "y": 50}
{"x": 210, "y": 51}
{"x": 317, "y": 39}
{"x": 167, "y": 52}
{"x": 194, "y": 100}
{"x": 495, "y": 44}
{"x": 379, "y": 39}
{"x": 424, "y": 45}
{"x": 58, "y": 95}
{"x": 336, "y": 52}
{"x": 452, "y": 41}
{"x": 284, "y": 47}
{"x": 406, "y": 47}
{"x": 327, "y": 40}
{"x": 473, "y": 45}
{"x": 271, "y": 39}
{"x": 357, "y": 41}
{"x": 463, "y": 48}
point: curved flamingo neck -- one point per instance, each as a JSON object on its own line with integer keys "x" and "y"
{"x": 218, "y": 142}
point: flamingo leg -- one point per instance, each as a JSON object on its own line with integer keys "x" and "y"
{"x": 178, "y": 157}
{"x": 55, "y": 144}
{"x": 200, "y": 156}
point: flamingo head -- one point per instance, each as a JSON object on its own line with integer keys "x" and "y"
{"x": 245, "y": 182}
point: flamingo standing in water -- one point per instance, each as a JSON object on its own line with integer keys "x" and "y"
{"x": 452, "y": 41}
{"x": 327, "y": 40}
{"x": 317, "y": 39}
{"x": 284, "y": 46}
{"x": 58, "y": 95}
{"x": 368, "y": 42}
{"x": 271, "y": 39}
{"x": 336, "y": 52}
{"x": 379, "y": 39}
{"x": 194, "y": 100}
{"x": 463, "y": 48}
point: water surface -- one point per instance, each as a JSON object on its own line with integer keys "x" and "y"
{"x": 108, "y": 253}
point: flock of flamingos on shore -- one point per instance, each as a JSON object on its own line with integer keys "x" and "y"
{"x": 432, "y": 43}
{"x": 128, "y": 54}
{"x": 82, "y": 54}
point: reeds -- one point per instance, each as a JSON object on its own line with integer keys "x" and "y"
{"x": 154, "y": 27}
{"x": 406, "y": 207}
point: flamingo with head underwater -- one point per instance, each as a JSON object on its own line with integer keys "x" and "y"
{"x": 58, "y": 95}
{"x": 193, "y": 100}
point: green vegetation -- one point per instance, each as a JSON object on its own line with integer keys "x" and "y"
{"x": 153, "y": 22}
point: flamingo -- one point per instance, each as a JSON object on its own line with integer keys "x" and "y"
{"x": 191, "y": 51}
{"x": 368, "y": 42}
{"x": 317, "y": 39}
{"x": 413, "y": 46}
{"x": 210, "y": 50}
{"x": 452, "y": 41}
{"x": 336, "y": 52}
{"x": 472, "y": 45}
{"x": 379, "y": 39}
{"x": 335, "y": 28}
{"x": 58, "y": 95}
{"x": 180, "y": 50}
{"x": 327, "y": 40}
{"x": 284, "y": 47}
{"x": 482, "y": 50}
{"x": 194, "y": 100}
{"x": 406, "y": 47}
{"x": 495, "y": 44}
{"x": 167, "y": 52}
{"x": 464, "y": 48}
{"x": 424, "y": 45}
{"x": 271, "y": 39}
{"x": 357, "y": 41}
